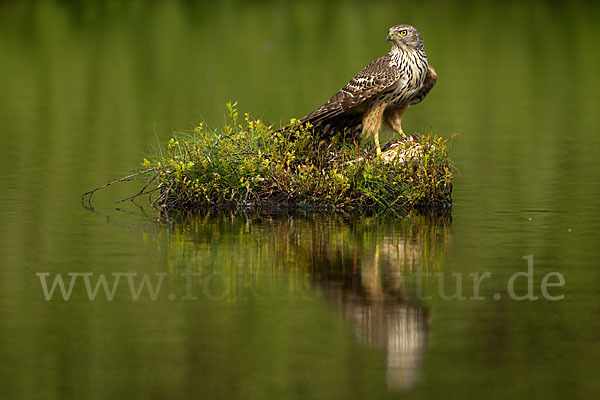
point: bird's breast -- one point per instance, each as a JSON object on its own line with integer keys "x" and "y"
{"x": 413, "y": 70}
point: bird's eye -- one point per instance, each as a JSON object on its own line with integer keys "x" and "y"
{"x": 403, "y": 32}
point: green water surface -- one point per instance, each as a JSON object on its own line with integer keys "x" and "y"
{"x": 297, "y": 305}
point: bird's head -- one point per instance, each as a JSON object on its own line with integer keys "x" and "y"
{"x": 406, "y": 37}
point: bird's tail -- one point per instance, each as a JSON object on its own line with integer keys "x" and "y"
{"x": 326, "y": 128}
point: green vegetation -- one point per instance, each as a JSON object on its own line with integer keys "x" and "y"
{"x": 250, "y": 165}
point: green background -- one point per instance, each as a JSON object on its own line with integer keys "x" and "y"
{"x": 308, "y": 306}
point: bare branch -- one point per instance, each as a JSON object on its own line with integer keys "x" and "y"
{"x": 123, "y": 179}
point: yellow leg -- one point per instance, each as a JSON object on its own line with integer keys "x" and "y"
{"x": 372, "y": 123}
{"x": 394, "y": 118}
{"x": 377, "y": 147}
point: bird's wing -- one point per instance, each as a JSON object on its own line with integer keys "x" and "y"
{"x": 428, "y": 84}
{"x": 373, "y": 79}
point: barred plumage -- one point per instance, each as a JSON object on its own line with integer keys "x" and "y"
{"x": 383, "y": 89}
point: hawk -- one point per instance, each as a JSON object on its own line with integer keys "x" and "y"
{"x": 383, "y": 89}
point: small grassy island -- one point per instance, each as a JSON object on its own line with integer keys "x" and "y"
{"x": 249, "y": 165}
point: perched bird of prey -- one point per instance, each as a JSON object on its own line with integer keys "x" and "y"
{"x": 383, "y": 89}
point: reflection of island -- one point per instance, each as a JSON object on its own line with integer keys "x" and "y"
{"x": 368, "y": 286}
{"x": 365, "y": 266}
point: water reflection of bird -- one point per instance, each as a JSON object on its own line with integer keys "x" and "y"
{"x": 366, "y": 278}
{"x": 364, "y": 266}
{"x": 374, "y": 305}
{"x": 383, "y": 89}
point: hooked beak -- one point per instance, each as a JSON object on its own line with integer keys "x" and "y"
{"x": 389, "y": 37}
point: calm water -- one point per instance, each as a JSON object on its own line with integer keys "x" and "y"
{"x": 297, "y": 306}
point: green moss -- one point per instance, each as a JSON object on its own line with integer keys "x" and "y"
{"x": 250, "y": 165}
